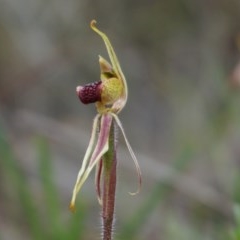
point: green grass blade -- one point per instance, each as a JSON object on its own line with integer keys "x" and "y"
{"x": 19, "y": 183}
{"x": 50, "y": 192}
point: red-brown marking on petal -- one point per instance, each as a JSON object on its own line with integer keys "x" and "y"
{"x": 89, "y": 93}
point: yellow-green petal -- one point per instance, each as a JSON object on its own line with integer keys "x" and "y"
{"x": 121, "y": 101}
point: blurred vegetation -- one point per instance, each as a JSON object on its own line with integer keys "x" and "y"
{"x": 182, "y": 62}
{"x": 40, "y": 219}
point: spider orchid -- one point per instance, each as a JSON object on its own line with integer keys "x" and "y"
{"x": 110, "y": 95}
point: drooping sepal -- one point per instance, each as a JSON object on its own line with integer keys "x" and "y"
{"x": 96, "y": 149}
{"x": 139, "y": 174}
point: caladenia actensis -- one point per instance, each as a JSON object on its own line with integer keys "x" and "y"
{"x": 110, "y": 95}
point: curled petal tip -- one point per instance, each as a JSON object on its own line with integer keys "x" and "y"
{"x": 137, "y": 192}
{"x": 93, "y": 23}
{"x": 72, "y": 207}
{"x": 139, "y": 184}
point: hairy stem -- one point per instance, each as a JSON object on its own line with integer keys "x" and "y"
{"x": 109, "y": 185}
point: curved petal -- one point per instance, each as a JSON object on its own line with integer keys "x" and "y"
{"x": 100, "y": 149}
{"x": 85, "y": 160}
{"x": 131, "y": 153}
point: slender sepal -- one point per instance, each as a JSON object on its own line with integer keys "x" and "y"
{"x": 131, "y": 153}
{"x": 100, "y": 148}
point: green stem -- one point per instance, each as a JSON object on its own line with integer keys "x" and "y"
{"x": 109, "y": 185}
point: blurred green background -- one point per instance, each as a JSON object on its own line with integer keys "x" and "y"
{"x": 182, "y": 62}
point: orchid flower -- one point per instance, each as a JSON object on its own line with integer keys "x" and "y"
{"x": 110, "y": 95}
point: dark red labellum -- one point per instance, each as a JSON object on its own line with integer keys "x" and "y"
{"x": 90, "y": 93}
